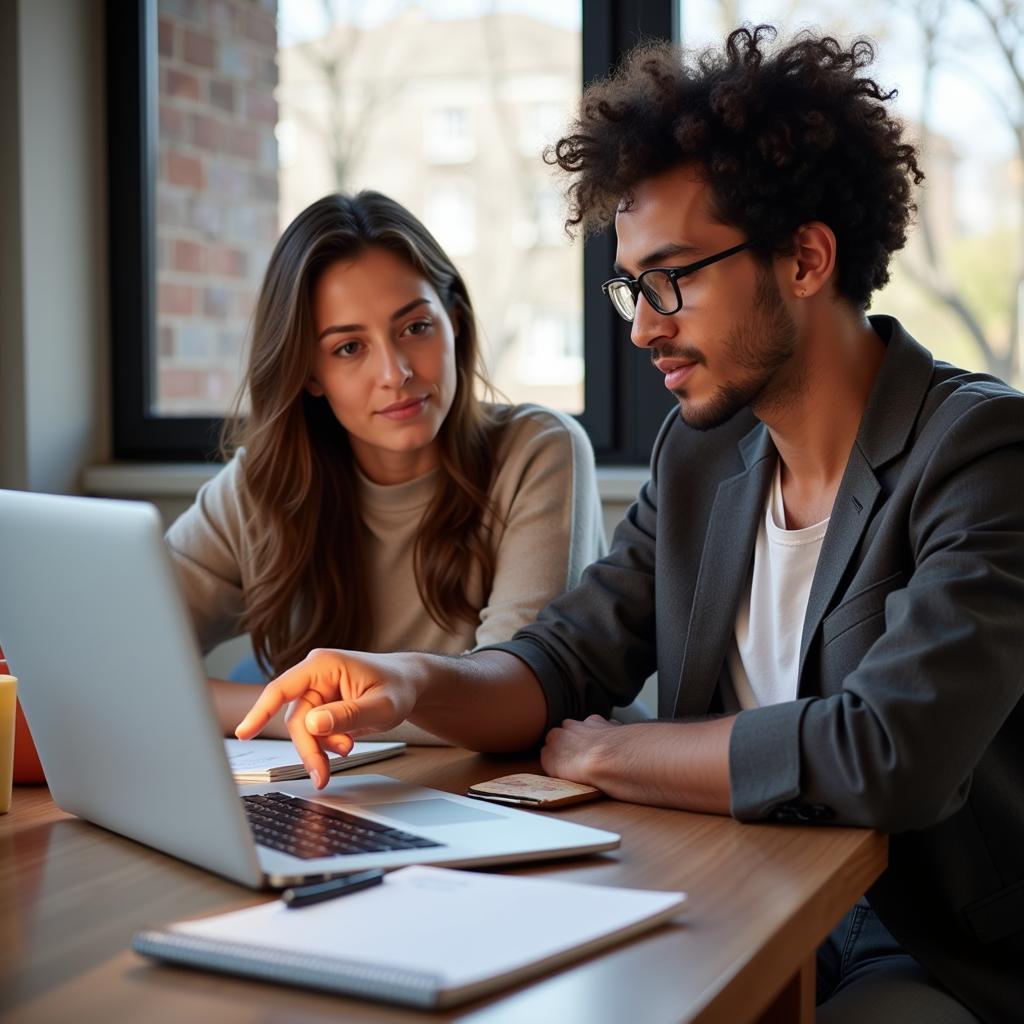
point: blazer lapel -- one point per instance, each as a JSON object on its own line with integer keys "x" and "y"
{"x": 851, "y": 514}
{"x": 884, "y": 433}
{"x": 724, "y": 572}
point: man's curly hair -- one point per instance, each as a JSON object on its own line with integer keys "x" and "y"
{"x": 783, "y": 137}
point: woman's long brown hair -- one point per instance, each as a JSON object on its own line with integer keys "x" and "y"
{"x": 309, "y": 587}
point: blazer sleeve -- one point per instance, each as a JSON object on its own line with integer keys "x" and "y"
{"x": 593, "y": 648}
{"x": 552, "y": 528}
{"x": 896, "y": 747}
{"x": 205, "y": 543}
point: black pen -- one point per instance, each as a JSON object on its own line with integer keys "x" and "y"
{"x": 304, "y": 895}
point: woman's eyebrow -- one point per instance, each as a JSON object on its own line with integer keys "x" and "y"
{"x": 349, "y": 328}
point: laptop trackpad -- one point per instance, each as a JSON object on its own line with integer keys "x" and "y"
{"x": 432, "y": 811}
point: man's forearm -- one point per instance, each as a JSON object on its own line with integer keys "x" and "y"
{"x": 488, "y": 701}
{"x": 667, "y": 764}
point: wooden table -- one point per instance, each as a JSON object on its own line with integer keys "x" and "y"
{"x": 761, "y": 899}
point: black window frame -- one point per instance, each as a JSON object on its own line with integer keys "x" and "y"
{"x": 624, "y": 400}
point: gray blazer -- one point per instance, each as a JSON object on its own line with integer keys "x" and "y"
{"x": 909, "y": 715}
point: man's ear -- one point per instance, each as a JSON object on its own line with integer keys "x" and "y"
{"x": 313, "y": 387}
{"x": 813, "y": 262}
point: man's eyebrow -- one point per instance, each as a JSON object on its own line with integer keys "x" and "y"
{"x": 658, "y": 257}
{"x": 350, "y": 328}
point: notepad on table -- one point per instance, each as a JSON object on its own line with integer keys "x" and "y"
{"x": 427, "y": 937}
{"x": 255, "y": 761}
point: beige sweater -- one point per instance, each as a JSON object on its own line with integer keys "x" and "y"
{"x": 544, "y": 490}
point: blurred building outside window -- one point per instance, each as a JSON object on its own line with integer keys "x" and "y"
{"x": 450, "y": 208}
{"x": 445, "y": 105}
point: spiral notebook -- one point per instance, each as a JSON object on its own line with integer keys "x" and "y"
{"x": 427, "y": 937}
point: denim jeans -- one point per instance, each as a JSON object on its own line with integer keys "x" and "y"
{"x": 864, "y": 975}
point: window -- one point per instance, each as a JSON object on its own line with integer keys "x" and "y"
{"x": 447, "y": 136}
{"x": 548, "y": 214}
{"x": 550, "y": 354}
{"x": 226, "y": 119}
{"x": 222, "y": 129}
{"x": 540, "y": 120}
{"x": 450, "y": 213}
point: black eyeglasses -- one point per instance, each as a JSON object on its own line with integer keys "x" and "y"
{"x": 658, "y": 285}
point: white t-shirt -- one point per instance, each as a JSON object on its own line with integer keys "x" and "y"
{"x": 765, "y": 655}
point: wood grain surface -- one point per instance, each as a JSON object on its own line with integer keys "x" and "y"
{"x": 761, "y": 898}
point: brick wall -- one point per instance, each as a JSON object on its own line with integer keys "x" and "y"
{"x": 217, "y": 192}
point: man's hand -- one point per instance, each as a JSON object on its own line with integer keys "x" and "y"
{"x": 668, "y": 764}
{"x": 576, "y": 750}
{"x": 337, "y": 696}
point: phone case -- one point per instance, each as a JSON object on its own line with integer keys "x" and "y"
{"x": 533, "y": 791}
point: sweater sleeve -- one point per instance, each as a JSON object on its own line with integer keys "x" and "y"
{"x": 205, "y": 543}
{"x": 546, "y": 491}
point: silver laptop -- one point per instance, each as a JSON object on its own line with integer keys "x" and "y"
{"x": 111, "y": 682}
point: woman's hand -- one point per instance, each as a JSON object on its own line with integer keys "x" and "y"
{"x": 336, "y": 697}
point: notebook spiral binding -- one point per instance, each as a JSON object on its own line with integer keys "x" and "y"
{"x": 346, "y": 977}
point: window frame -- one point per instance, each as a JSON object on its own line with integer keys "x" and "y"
{"x": 624, "y": 401}
{"x": 132, "y": 75}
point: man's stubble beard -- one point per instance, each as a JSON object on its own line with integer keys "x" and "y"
{"x": 760, "y": 346}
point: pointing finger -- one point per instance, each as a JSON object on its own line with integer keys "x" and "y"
{"x": 320, "y": 672}
{"x": 309, "y": 750}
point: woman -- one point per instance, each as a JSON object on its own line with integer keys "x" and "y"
{"x": 373, "y": 502}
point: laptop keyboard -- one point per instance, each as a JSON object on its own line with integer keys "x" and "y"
{"x": 306, "y": 829}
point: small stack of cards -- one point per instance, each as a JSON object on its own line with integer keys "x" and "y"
{"x": 540, "y": 791}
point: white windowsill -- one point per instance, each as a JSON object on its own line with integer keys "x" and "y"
{"x": 183, "y": 479}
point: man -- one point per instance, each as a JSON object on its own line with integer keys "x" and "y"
{"x": 826, "y": 567}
